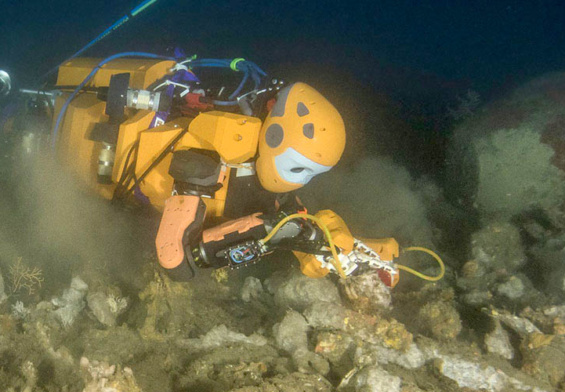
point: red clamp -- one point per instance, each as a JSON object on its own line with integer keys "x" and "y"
{"x": 197, "y": 101}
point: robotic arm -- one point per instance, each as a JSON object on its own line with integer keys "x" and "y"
{"x": 322, "y": 242}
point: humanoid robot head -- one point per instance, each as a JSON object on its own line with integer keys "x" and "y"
{"x": 302, "y": 136}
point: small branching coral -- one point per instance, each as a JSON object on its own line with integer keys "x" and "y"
{"x": 23, "y": 277}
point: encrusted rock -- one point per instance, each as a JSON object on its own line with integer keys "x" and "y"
{"x": 299, "y": 291}
{"x": 367, "y": 292}
{"x": 219, "y": 336}
{"x": 498, "y": 246}
{"x": 326, "y": 315}
{"x": 252, "y": 289}
{"x": 498, "y": 342}
{"x": 512, "y": 289}
{"x": 441, "y": 320}
{"x": 106, "y": 308}
{"x": 544, "y": 356}
{"x": 372, "y": 379}
{"x": 290, "y": 335}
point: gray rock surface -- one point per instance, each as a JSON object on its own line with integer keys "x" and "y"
{"x": 498, "y": 342}
{"x": 252, "y": 289}
{"x": 373, "y": 379}
{"x": 299, "y": 291}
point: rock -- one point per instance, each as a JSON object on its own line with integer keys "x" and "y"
{"x": 106, "y": 308}
{"x": 290, "y": 333}
{"x": 219, "y": 336}
{"x": 512, "y": 289}
{"x": 367, "y": 292}
{"x": 477, "y": 298}
{"x": 326, "y": 316}
{"x": 411, "y": 358}
{"x": 440, "y": 320}
{"x": 520, "y": 325}
{"x": 498, "y": 342}
{"x": 372, "y": 379}
{"x": 71, "y": 303}
{"x": 498, "y": 246}
{"x": 477, "y": 376}
{"x": 101, "y": 377}
{"x": 298, "y": 292}
{"x": 294, "y": 382}
{"x": 338, "y": 349}
{"x": 309, "y": 362}
{"x": 544, "y": 356}
{"x": 290, "y": 336}
{"x": 252, "y": 289}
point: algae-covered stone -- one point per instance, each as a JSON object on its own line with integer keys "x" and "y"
{"x": 297, "y": 291}
{"x": 290, "y": 335}
{"x": 544, "y": 356}
{"x": 367, "y": 292}
{"x": 326, "y": 315}
{"x": 167, "y": 305}
{"x": 252, "y": 289}
{"x": 106, "y": 308}
{"x": 498, "y": 342}
{"x": 373, "y": 379}
{"x": 512, "y": 289}
{"x": 440, "y": 320}
{"x": 498, "y": 246}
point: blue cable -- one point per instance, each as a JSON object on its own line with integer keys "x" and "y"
{"x": 65, "y": 106}
{"x": 141, "y": 7}
{"x": 249, "y": 69}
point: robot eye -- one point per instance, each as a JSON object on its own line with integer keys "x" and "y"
{"x": 302, "y": 110}
{"x": 297, "y": 169}
{"x": 274, "y": 135}
{"x": 308, "y": 130}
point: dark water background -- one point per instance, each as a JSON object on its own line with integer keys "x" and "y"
{"x": 481, "y": 43}
{"x": 420, "y": 54}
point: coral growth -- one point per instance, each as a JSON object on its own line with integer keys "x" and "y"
{"x": 24, "y": 277}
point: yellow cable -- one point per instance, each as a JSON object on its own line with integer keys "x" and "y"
{"x": 321, "y": 225}
{"x": 335, "y": 259}
{"x": 419, "y": 274}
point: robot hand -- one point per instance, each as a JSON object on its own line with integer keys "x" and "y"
{"x": 350, "y": 255}
{"x": 379, "y": 256}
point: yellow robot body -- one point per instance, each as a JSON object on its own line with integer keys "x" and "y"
{"x": 234, "y": 137}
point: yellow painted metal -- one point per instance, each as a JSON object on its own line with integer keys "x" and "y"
{"x": 127, "y": 136}
{"x": 158, "y": 184}
{"x": 215, "y": 207}
{"x": 233, "y": 136}
{"x": 74, "y": 149}
{"x": 310, "y": 266}
{"x": 341, "y": 237}
{"x": 142, "y": 72}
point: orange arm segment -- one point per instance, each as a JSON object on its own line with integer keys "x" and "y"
{"x": 180, "y": 212}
